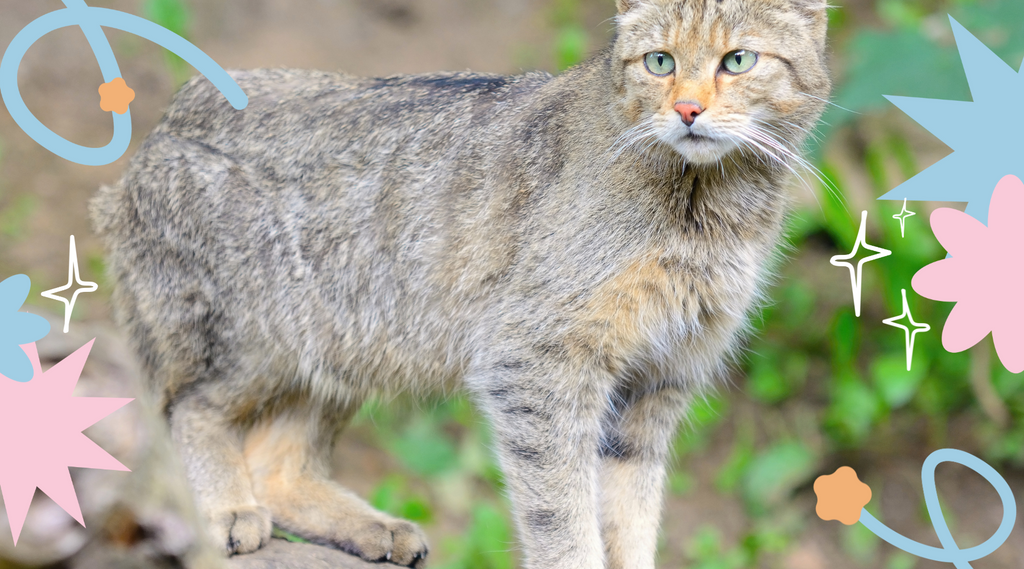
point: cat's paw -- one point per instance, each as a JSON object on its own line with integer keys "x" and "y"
{"x": 241, "y": 530}
{"x": 386, "y": 539}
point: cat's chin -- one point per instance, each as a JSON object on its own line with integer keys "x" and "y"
{"x": 703, "y": 150}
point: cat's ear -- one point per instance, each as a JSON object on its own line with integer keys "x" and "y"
{"x": 627, "y": 5}
{"x": 816, "y": 11}
{"x": 812, "y": 6}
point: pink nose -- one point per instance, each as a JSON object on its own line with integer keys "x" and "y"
{"x": 689, "y": 112}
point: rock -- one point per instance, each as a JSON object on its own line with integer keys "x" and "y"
{"x": 145, "y": 518}
{"x": 281, "y": 554}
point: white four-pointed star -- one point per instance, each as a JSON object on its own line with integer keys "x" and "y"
{"x": 902, "y": 216}
{"x": 73, "y": 278}
{"x": 917, "y": 327}
{"x": 855, "y": 276}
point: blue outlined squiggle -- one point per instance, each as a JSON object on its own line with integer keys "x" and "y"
{"x": 91, "y": 20}
{"x": 950, "y": 552}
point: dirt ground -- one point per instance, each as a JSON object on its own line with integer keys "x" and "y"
{"x": 43, "y": 200}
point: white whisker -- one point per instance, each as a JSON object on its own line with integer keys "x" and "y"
{"x": 828, "y": 103}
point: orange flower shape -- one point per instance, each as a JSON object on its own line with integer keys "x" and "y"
{"x": 115, "y": 96}
{"x": 841, "y": 496}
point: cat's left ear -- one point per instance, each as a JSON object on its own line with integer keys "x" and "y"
{"x": 816, "y": 12}
{"x": 627, "y": 5}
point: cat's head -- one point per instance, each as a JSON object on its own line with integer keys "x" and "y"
{"x": 711, "y": 77}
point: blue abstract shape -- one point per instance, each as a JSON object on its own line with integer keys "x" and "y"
{"x": 950, "y": 552}
{"x": 17, "y": 328}
{"x": 90, "y": 20}
{"x": 984, "y": 134}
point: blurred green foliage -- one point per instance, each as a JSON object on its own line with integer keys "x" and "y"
{"x": 176, "y": 17}
{"x": 571, "y": 38}
{"x": 914, "y": 54}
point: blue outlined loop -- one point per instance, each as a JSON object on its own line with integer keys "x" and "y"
{"x": 91, "y": 20}
{"x": 950, "y": 552}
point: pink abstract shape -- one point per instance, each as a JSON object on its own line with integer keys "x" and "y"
{"x": 984, "y": 275}
{"x": 41, "y": 426}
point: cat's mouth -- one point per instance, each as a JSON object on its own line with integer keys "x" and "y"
{"x": 701, "y": 148}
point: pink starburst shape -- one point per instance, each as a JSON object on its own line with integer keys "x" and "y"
{"x": 41, "y": 426}
{"x": 984, "y": 275}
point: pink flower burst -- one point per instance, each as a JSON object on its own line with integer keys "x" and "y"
{"x": 41, "y": 426}
{"x": 984, "y": 275}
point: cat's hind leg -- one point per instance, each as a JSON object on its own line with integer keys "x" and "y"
{"x": 211, "y": 448}
{"x": 289, "y": 458}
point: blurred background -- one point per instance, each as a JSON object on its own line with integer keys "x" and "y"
{"x": 818, "y": 387}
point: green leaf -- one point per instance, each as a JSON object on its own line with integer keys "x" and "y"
{"x": 703, "y": 417}
{"x": 707, "y": 552}
{"x": 920, "y": 68}
{"x": 15, "y": 217}
{"x": 845, "y": 338}
{"x": 171, "y": 14}
{"x": 708, "y": 411}
{"x": 492, "y": 535}
{"x": 772, "y": 538}
{"x": 903, "y": 152}
{"x": 416, "y": 509}
{"x": 893, "y": 382}
{"x": 860, "y": 543}
{"x": 570, "y": 46}
{"x": 775, "y": 472}
{"x": 900, "y": 13}
{"x": 1006, "y": 383}
{"x": 767, "y": 385}
{"x": 385, "y": 497}
{"x": 838, "y": 220}
{"x": 707, "y": 543}
{"x": 855, "y": 408}
{"x": 731, "y": 473}
{"x": 681, "y": 482}
{"x": 486, "y": 544}
{"x": 800, "y": 225}
{"x": 392, "y": 496}
{"x": 901, "y": 560}
{"x": 775, "y": 377}
{"x": 281, "y": 534}
{"x": 424, "y": 449}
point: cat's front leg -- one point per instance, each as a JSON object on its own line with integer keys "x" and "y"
{"x": 634, "y": 449}
{"x": 546, "y": 421}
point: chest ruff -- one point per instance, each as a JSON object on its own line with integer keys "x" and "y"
{"x": 668, "y": 316}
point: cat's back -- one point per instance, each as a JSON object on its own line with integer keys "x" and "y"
{"x": 294, "y": 115}
{"x": 318, "y": 136}
{"x": 327, "y": 147}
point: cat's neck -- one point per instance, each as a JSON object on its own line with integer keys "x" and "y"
{"x": 742, "y": 193}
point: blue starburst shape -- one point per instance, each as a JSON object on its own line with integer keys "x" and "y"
{"x": 17, "y": 328}
{"x": 983, "y": 133}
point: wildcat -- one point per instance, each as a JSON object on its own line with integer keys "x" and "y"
{"x": 577, "y": 252}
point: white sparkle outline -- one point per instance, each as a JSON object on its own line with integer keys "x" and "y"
{"x": 902, "y": 216}
{"x": 855, "y": 277}
{"x": 918, "y": 327}
{"x": 73, "y": 278}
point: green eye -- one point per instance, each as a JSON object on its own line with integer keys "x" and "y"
{"x": 659, "y": 63}
{"x": 739, "y": 61}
